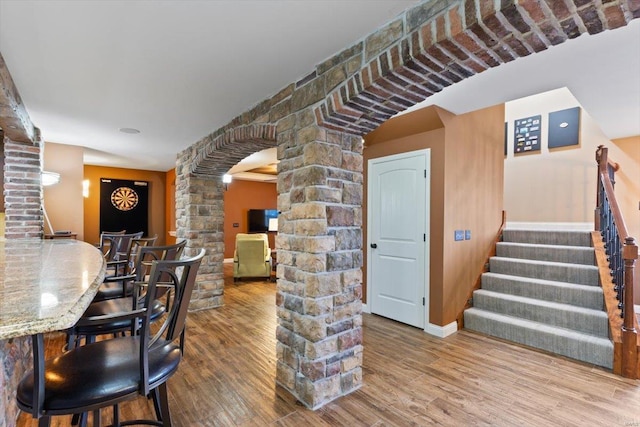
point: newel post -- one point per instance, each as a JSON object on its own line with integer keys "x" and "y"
{"x": 629, "y": 333}
{"x": 601, "y": 152}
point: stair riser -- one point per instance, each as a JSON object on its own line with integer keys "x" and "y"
{"x": 595, "y": 323}
{"x": 584, "y": 256}
{"x": 587, "y": 296}
{"x": 582, "y": 275}
{"x": 565, "y": 238}
{"x": 597, "y": 352}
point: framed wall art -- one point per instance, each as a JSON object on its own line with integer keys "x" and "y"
{"x": 564, "y": 128}
{"x": 526, "y": 136}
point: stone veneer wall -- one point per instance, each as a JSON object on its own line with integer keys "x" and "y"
{"x": 200, "y": 220}
{"x": 15, "y": 359}
{"x": 23, "y": 210}
{"x": 318, "y": 121}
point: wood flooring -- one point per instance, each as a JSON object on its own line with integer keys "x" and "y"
{"x": 410, "y": 378}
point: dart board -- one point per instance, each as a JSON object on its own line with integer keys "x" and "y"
{"x": 124, "y": 205}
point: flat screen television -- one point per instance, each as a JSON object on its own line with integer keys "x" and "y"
{"x": 259, "y": 219}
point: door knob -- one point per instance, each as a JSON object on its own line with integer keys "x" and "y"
{"x": 373, "y": 245}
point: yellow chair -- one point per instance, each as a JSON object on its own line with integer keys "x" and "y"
{"x": 252, "y": 257}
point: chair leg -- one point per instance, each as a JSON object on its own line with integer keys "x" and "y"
{"x": 79, "y": 420}
{"x": 96, "y": 418}
{"x": 164, "y": 405}
{"x": 116, "y": 416}
{"x": 156, "y": 403}
{"x": 71, "y": 338}
{"x": 44, "y": 422}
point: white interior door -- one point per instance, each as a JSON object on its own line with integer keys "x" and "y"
{"x": 398, "y": 210}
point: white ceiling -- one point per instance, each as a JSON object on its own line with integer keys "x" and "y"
{"x": 178, "y": 70}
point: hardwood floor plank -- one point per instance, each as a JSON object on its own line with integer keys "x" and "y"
{"x": 227, "y": 378}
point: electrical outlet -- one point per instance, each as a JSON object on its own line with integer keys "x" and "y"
{"x": 467, "y": 234}
{"x": 458, "y": 235}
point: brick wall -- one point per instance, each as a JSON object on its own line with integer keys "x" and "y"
{"x": 318, "y": 123}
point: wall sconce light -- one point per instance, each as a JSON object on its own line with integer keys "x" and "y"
{"x": 85, "y": 188}
{"x": 226, "y": 180}
{"x": 49, "y": 178}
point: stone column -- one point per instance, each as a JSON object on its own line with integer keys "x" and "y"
{"x": 319, "y": 290}
{"x": 200, "y": 220}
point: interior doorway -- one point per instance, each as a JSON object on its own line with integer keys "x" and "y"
{"x": 398, "y": 236}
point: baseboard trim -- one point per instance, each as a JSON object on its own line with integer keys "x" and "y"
{"x": 579, "y": 226}
{"x": 365, "y": 309}
{"x": 441, "y": 331}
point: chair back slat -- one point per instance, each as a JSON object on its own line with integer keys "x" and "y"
{"x": 181, "y": 275}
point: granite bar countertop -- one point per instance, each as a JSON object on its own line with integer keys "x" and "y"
{"x": 46, "y": 285}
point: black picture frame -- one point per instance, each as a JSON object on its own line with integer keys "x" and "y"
{"x": 564, "y": 128}
{"x": 526, "y": 134}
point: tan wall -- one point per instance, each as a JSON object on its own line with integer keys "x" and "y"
{"x": 628, "y": 190}
{"x": 63, "y": 201}
{"x": 238, "y": 199}
{"x": 466, "y": 193}
{"x": 626, "y": 152}
{"x": 157, "y": 182}
{"x": 170, "y": 207}
{"x": 473, "y": 200}
{"x": 560, "y": 185}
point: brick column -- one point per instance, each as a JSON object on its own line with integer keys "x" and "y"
{"x": 200, "y": 220}
{"x": 22, "y": 189}
{"x": 319, "y": 243}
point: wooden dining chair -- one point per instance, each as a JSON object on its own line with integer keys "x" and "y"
{"x": 108, "y": 372}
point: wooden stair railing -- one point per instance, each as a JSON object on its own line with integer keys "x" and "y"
{"x": 616, "y": 254}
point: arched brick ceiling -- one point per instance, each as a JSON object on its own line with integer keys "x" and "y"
{"x": 468, "y": 38}
{"x": 436, "y": 44}
{"x": 217, "y": 155}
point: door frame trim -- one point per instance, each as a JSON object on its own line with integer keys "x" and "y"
{"x": 427, "y": 252}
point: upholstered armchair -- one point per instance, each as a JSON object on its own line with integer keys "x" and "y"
{"x": 252, "y": 257}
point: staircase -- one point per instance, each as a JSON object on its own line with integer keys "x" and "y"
{"x": 542, "y": 290}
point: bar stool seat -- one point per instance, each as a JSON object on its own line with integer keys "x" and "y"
{"x": 99, "y": 374}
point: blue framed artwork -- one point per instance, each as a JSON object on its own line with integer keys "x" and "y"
{"x": 564, "y": 128}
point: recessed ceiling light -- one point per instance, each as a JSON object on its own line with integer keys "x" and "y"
{"x": 129, "y": 130}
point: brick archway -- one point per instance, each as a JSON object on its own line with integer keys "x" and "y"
{"x": 467, "y": 38}
{"x": 217, "y": 155}
{"x": 200, "y": 200}
{"x": 318, "y": 124}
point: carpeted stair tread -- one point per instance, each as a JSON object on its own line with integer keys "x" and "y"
{"x": 543, "y": 290}
{"x": 548, "y": 237}
{"x": 566, "y": 342}
{"x": 587, "y": 296}
{"x": 554, "y": 253}
{"x": 547, "y": 270}
{"x": 567, "y": 316}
